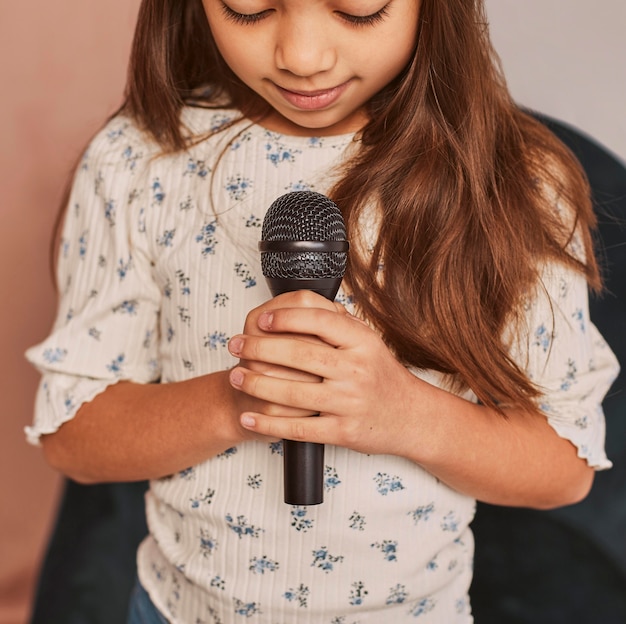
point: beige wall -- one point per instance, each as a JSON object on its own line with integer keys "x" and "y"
{"x": 62, "y": 67}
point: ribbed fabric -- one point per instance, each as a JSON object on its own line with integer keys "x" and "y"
{"x": 158, "y": 269}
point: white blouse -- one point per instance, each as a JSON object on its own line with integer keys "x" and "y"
{"x": 158, "y": 269}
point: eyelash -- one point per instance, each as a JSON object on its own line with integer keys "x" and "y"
{"x": 353, "y": 20}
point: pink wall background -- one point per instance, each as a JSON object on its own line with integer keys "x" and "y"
{"x": 62, "y": 70}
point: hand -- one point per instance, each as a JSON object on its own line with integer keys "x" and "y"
{"x": 366, "y": 399}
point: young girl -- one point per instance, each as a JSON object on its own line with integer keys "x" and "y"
{"x": 458, "y": 362}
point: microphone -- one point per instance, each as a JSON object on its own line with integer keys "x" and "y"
{"x": 303, "y": 247}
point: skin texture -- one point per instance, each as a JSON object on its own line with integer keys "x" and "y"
{"x": 311, "y": 60}
{"x": 300, "y": 354}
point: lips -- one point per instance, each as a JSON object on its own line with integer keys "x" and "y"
{"x": 313, "y": 100}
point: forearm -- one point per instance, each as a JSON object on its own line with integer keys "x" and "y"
{"x": 135, "y": 431}
{"x": 516, "y": 460}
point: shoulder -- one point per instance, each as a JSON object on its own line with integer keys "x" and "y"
{"x": 120, "y": 145}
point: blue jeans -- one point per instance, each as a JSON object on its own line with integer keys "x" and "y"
{"x": 141, "y": 610}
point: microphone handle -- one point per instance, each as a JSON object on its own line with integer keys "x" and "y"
{"x": 303, "y": 462}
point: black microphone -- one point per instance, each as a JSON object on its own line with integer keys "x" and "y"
{"x": 303, "y": 247}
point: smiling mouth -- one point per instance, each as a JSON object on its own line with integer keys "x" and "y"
{"x": 313, "y": 100}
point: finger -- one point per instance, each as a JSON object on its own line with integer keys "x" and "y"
{"x": 309, "y": 429}
{"x": 287, "y": 354}
{"x": 300, "y": 395}
{"x": 333, "y": 328}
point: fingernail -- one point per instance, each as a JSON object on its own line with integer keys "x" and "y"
{"x": 265, "y": 320}
{"x": 235, "y": 346}
{"x": 247, "y": 421}
{"x": 236, "y": 377}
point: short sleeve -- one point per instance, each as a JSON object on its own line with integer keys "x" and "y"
{"x": 106, "y": 329}
{"x": 566, "y": 357}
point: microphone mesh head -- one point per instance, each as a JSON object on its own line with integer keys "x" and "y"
{"x": 303, "y": 216}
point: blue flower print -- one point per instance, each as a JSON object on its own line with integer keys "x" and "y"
{"x": 323, "y": 560}
{"x": 186, "y": 204}
{"x": 82, "y": 244}
{"x": 158, "y": 194}
{"x": 183, "y": 315}
{"x": 450, "y": 522}
{"x": 127, "y": 307}
{"x": 115, "y": 134}
{"x": 197, "y": 167}
{"x": 165, "y": 240}
{"x": 187, "y": 474}
{"x": 241, "y": 527}
{"x": 570, "y": 376}
{"x": 218, "y": 582}
{"x": 543, "y": 338}
{"x": 422, "y": 513}
{"x": 207, "y": 239}
{"x": 115, "y": 366}
{"x": 263, "y": 565}
{"x": 206, "y": 498}
{"x": 238, "y": 187}
{"x": 141, "y": 221}
{"x": 277, "y": 152}
{"x": 218, "y": 121}
{"x": 357, "y": 593}
{"x": 426, "y": 605}
{"x": 95, "y": 333}
{"x": 299, "y": 595}
{"x": 432, "y": 565}
{"x": 299, "y": 520}
{"x": 69, "y": 404}
{"x": 253, "y": 222}
{"x": 397, "y": 595}
{"x": 386, "y": 483}
{"x": 246, "y": 608}
{"x": 582, "y": 422}
{"x": 357, "y": 521}
{"x": 123, "y": 266}
{"x": 389, "y": 549}
{"x": 229, "y": 452}
{"x": 300, "y": 185}
{"x": 169, "y": 332}
{"x": 255, "y": 481}
{"x": 220, "y": 300}
{"x": 331, "y": 478}
{"x": 579, "y": 317}
{"x": 54, "y": 356}
{"x": 243, "y": 272}
{"x": 462, "y": 605}
{"x": 208, "y": 544}
{"x": 276, "y": 448}
{"x": 109, "y": 212}
{"x": 215, "y": 340}
{"x": 130, "y": 158}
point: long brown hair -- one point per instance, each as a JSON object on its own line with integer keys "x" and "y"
{"x": 463, "y": 179}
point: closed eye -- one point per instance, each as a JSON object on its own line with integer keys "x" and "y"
{"x": 365, "y": 20}
{"x": 244, "y": 18}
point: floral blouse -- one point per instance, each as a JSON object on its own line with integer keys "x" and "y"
{"x": 158, "y": 268}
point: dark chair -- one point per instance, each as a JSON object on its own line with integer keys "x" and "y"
{"x": 567, "y": 566}
{"x": 89, "y": 568}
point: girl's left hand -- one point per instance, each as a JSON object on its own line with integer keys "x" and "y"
{"x": 367, "y": 400}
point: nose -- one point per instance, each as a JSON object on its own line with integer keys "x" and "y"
{"x": 303, "y": 47}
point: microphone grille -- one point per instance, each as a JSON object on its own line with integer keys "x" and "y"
{"x": 303, "y": 216}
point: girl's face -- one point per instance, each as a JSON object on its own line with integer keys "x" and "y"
{"x": 316, "y": 62}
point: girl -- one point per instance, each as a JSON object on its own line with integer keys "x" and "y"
{"x": 458, "y": 363}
